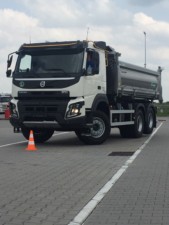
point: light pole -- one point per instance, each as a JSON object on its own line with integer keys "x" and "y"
{"x": 87, "y": 34}
{"x": 145, "y": 47}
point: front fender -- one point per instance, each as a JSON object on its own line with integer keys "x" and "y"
{"x": 99, "y": 99}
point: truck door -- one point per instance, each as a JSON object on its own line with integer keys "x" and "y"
{"x": 91, "y": 79}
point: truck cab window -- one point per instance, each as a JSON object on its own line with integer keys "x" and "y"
{"x": 92, "y": 63}
{"x": 25, "y": 64}
{"x": 89, "y": 63}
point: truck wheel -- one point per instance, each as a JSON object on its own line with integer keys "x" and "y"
{"x": 98, "y": 133}
{"x": 138, "y": 127}
{"x": 149, "y": 124}
{"x": 40, "y": 135}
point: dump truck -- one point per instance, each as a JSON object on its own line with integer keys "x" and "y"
{"x": 54, "y": 90}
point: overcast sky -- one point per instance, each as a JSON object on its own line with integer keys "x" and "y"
{"x": 120, "y": 23}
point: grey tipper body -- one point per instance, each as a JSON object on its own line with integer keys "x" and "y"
{"x": 141, "y": 81}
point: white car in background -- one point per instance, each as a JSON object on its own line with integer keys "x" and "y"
{"x": 4, "y": 102}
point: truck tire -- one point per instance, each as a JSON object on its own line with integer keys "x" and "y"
{"x": 137, "y": 129}
{"x": 40, "y": 135}
{"x": 149, "y": 122}
{"x": 98, "y": 133}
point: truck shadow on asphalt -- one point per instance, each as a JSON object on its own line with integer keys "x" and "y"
{"x": 66, "y": 140}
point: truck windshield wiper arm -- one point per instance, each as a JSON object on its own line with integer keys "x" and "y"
{"x": 57, "y": 70}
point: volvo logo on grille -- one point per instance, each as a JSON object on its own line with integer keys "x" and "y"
{"x": 21, "y": 84}
{"x": 42, "y": 84}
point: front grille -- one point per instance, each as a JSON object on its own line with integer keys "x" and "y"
{"x": 22, "y": 95}
{"x": 42, "y": 110}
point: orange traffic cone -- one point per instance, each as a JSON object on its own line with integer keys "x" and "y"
{"x": 31, "y": 143}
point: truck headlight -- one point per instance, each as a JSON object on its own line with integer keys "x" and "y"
{"x": 74, "y": 109}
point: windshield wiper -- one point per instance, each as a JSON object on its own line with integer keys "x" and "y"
{"x": 57, "y": 70}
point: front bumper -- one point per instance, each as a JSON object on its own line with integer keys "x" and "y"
{"x": 47, "y": 114}
{"x": 66, "y": 125}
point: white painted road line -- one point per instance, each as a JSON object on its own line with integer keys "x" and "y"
{"x": 61, "y": 133}
{"x": 15, "y": 143}
{"x": 20, "y": 142}
{"x": 91, "y": 205}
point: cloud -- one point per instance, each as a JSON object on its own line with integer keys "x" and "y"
{"x": 157, "y": 31}
{"x": 145, "y": 2}
{"x": 73, "y": 13}
{"x": 14, "y": 26}
{"x": 142, "y": 20}
{"x": 14, "y": 30}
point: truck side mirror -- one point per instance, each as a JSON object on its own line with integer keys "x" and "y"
{"x": 8, "y": 73}
{"x": 9, "y": 61}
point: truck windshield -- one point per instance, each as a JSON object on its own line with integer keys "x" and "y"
{"x": 57, "y": 63}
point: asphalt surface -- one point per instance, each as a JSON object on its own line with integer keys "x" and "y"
{"x": 53, "y": 184}
{"x": 141, "y": 195}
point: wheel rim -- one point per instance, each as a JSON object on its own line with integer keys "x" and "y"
{"x": 98, "y": 128}
{"x": 139, "y": 124}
